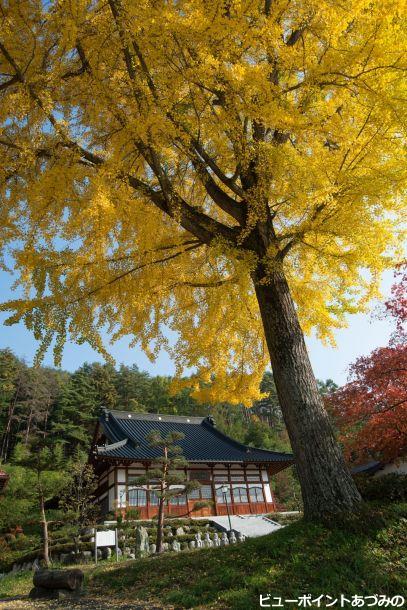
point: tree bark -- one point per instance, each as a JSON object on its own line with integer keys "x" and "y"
{"x": 326, "y": 484}
{"x": 44, "y": 523}
{"x": 160, "y": 526}
{"x": 70, "y": 580}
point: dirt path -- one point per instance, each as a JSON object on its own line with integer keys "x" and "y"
{"x": 87, "y": 603}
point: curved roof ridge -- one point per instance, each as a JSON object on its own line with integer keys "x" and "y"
{"x": 238, "y": 444}
{"x": 187, "y": 419}
{"x": 202, "y": 441}
{"x": 110, "y": 424}
{"x": 112, "y": 446}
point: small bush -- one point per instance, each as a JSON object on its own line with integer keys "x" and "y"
{"x": 132, "y": 514}
{"x": 390, "y": 487}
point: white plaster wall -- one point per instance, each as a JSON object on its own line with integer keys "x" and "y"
{"x": 121, "y": 475}
{"x": 267, "y": 493}
{"x": 396, "y": 468}
{"x": 264, "y": 476}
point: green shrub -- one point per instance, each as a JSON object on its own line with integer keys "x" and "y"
{"x": 132, "y": 513}
{"x": 188, "y": 537}
{"x": 390, "y": 487}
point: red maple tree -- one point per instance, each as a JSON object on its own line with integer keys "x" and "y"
{"x": 371, "y": 410}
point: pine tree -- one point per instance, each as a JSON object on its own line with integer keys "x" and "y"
{"x": 76, "y": 411}
{"x": 77, "y": 498}
{"x": 47, "y": 476}
{"x": 167, "y": 476}
{"x": 10, "y": 368}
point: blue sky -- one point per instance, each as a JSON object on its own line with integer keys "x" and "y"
{"x": 364, "y": 333}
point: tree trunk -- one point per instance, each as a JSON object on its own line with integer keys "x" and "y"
{"x": 7, "y": 432}
{"x": 160, "y": 525}
{"x": 44, "y": 523}
{"x": 70, "y": 580}
{"x": 326, "y": 484}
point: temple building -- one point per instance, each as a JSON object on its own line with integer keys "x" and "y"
{"x": 233, "y": 476}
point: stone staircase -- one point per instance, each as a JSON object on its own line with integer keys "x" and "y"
{"x": 250, "y": 526}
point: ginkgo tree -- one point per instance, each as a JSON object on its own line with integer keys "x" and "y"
{"x": 226, "y": 172}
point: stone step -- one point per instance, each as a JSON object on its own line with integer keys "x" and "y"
{"x": 250, "y": 526}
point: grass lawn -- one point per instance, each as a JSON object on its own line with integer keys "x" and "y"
{"x": 363, "y": 555}
{"x": 16, "y": 584}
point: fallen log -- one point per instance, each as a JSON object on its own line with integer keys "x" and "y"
{"x": 70, "y": 580}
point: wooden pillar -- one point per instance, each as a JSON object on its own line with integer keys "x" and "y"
{"x": 186, "y": 495}
{"x": 145, "y": 464}
{"x": 247, "y": 488}
{"x": 215, "y": 506}
{"x": 232, "y": 498}
{"x": 271, "y": 490}
{"x": 262, "y": 487}
{"x": 116, "y": 502}
{"x": 126, "y": 479}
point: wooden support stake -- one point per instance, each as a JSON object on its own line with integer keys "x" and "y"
{"x": 116, "y": 541}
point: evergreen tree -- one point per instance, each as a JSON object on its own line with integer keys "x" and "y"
{"x": 76, "y": 410}
{"x": 10, "y": 367}
{"x": 46, "y": 477}
{"x": 103, "y": 377}
{"x": 133, "y": 387}
{"x": 77, "y": 499}
{"x": 327, "y": 387}
{"x": 167, "y": 475}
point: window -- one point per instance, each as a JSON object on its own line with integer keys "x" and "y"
{"x": 194, "y": 494}
{"x": 253, "y": 477}
{"x": 206, "y": 492}
{"x": 200, "y": 475}
{"x": 153, "y": 498}
{"x": 221, "y": 478}
{"x": 240, "y": 494}
{"x": 223, "y": 494}
{"x": 256, "y": 493}
{"x": 178, "y": 500}
{"x": 137, "y": 497}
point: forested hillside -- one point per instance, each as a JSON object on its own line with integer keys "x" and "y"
{"x": 64, "y": 406}
{"x": 51, "y": 413}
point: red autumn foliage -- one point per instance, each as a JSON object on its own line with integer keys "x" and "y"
{"x": 371, "y": 410}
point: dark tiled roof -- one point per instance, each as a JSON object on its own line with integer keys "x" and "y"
{"x": 126, "y": 439}
{"x": 369, "y": 468}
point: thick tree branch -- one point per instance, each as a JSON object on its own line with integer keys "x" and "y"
{"x": 226, "y": 203}
{"x": 8, "y": 83}
{"x": 84, "y": 67}
{"x": 222, "y": 199}
{"x": 294, "y": 37}
{"x": 197, "y": 223}
{"x": 229, "y": 182}
{"x": 191, "y": 219}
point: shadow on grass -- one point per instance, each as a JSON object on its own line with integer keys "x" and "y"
{"x": 360, "y": 555}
